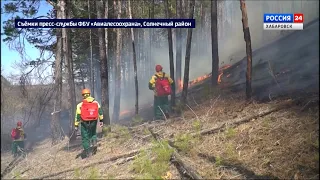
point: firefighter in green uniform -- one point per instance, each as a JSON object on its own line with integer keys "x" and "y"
{"x": 88, "y": 114}
{"x": 18, "y": 136}
{"x": 161, "y": 101}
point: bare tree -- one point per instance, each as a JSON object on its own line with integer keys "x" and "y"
{"x": 247, "y": 39}
{"x": 55, "y": 122}
{"x": 187, "y": 57}
{"x": 173, "y": 95}
{"x": 214, "y": 42}
{"x": 116, "y": 108}
{"x": 178, "y": 47}
{"x": 134, "y": 63}
{"x": 103, "y": 67}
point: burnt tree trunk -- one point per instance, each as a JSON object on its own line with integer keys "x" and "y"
{"x": 55, "y": 121}
{"x": 187, "y": 57}
{"x": 71, "y": 104}
{"x": 116, "y": 105}
{"x": 214, "y": 43}
{"x": 178, "y": 47}
{"x": 134, "y": 64}
{"x": 173, "y": 95}
{"x": 247, "y": 39}
{"x": 103, "y": 67}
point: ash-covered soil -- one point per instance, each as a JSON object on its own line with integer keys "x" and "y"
{"x": 287, "y": 65}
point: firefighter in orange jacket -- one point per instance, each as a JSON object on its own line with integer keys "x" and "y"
{"x": 160, "y": 103}
{"x": 88, "y": 126}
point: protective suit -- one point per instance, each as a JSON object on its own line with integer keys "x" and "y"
{"x": 160, "y": 103}
{"x": 88, "y": 126}
{"x": 18, "y": 136}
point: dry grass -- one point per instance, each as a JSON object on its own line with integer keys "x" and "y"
{"x": 277, "y": 145}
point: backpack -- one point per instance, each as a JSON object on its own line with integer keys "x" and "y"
{"x": 163, "y": 86}
{"x": 89, "y": 111}
{"x": 15, "y": 134}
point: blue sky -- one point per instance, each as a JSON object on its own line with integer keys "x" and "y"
{"x": 9, "y": 57}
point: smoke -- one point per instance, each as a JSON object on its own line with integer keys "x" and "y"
{"x": 231, "y": 45}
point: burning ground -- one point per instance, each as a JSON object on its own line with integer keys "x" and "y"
{"x": 219, "y": 135}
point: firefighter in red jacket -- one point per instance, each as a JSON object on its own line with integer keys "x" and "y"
{"x": 161, "y": 100}
{"x": 18, "y": 136}
{"x": 88, "y": 113}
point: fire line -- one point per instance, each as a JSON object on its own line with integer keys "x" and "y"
{"x": 192, "y": 83}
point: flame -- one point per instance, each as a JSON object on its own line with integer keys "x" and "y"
{"x": 180, "y": 85}
{"x": 124, "y": 112}
{"x": 219, "y": 77}
{"x": 201, "y": 78}
{"x": 221, "y": 72}
{"x": 224, "y": 67}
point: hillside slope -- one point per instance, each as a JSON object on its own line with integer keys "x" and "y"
{"x": 278, "y": 145}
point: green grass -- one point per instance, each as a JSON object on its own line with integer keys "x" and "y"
{"x": 121, "y": 133}
{"x": 230, "y": 133}
{"x": 106, "y": 130}
{"x": 17, "y": 175}
{"x": 93, "y": 173}
{"x": 196, "y": 125}
{"x": 153, "y": 164}
{"x": 219, "y": 161}
{"x": 77, "y": 174}
{"x": 230, "y": 151}
{"x": 185, "y": 142}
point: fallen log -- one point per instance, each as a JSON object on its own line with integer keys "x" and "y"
{"x": 176, "y": 157}
{"x": 126, "y": 160}
{"x": 127, "y": 155}
{"x": 245, "y": 119}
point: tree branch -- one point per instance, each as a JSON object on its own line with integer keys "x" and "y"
{"x": 52, "y": 4}
{"x": 127, "y": 155}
